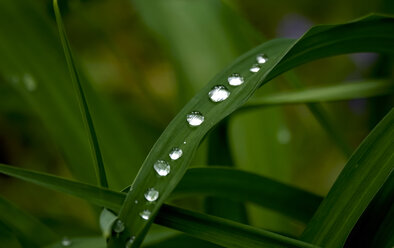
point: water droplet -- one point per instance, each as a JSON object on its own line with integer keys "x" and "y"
{"x": 262, "y": 58}
{"x": 218, "y": 93}
{"x": 235, "y": 79}
{"x": 255, "y": 68}
{"x": 162, "y": 167}
{"x": 145, "y": 214}
{"x": 283, "y": 135}
{"x": 66, "y": 242}
{"x": 118, "y": 226}
{"x": 184, "y": 142}
{"x": 129, "y": 242}
{"x": 136, "y": 201}
{"x": 195, "y": 118}
{"x": 151, "y": 195}
{"x": 29, "y": 82}
{"x": 176, "y": 153}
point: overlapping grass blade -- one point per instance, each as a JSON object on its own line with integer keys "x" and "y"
{"x": 369, "y": 34}
{"x": 224, "y": 182}
{"x": 82, "y": 242}
{"x": 358, "y": 183}
{"x": 339, "y": 92}
{"x": 83, "y": 105}
{"x": 190, "y": 222}
{"x": 27, "y": 229}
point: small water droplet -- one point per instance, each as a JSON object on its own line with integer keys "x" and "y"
{"x": 129, "y": 242}
{"x": 195, "y": 118}
{"x": 151, "y": 195}
{"x": 136, "y": 201}
{"x": 262, "y": 58}
{"x": 283, "y": 135}
{"x": 176, "y": 153}
{"x": 162, "y": 167}
{"x": 118, "y": 226}
{"x": 255, "y": 68}
{"x": 145, "y": 214}
{"x": 218, "y": 93}
{"x": 184, "y": 142}
{"x": 66, "y": 242}
{"x": 29, "y": 82}
{"x": 235, "y": 79}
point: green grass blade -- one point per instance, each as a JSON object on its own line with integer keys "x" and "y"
{"x": 100, "y": 170}
{"x": 236, "y": 184}
{"x": 369, "y": 34}
{"x": 222, "y": 232}
{"x": 251, "y": 237}
{"x": 28, "y": 229}
{"x": 225, "y": 182}
{"x": 83, "y": 242}
{"x": 331, "y": 93}
{"x": 358, "y": 183}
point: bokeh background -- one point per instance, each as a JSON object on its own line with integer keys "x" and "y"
{"x": 145, "y": 59}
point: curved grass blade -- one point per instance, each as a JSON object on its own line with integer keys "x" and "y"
{"x": 340, "y": 92}
{"x": 225, "y": 182}
{"x": 369, "y": 34}
{"x": 358, "y": 183}
{"x": 249, "y": 187}
{"x": 221, "y": 231}
{"x": 170, "y": 215}
{"x": 26, "y": 228}
{"x": 100, "y": 170}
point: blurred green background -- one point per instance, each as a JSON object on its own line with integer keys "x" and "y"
{"x": 145, "y": 59}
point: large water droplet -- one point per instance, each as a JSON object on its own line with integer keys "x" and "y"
{"x": 145, "y": 214}
{"x": 162, "y": 168}
{"x": 151, "y": 195}
{"x": 218, "y": 93}
{"x": 262, "y": 58}
{"x": 195, "y": 118}
{"x": 175, "y": 153}
{"x": 255, "y": 68}
{"x": 235, "y": 79}
{"x": 129, "y": 242}
{"x": 29, "y": 82}
{"x": 66, "y": 242}
{"x": 118, "y": 226}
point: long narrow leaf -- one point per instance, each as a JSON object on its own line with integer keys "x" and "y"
{"x": 340, "y": 92}
{"x": 102, "y": 178}
{"x": 360, "y": 180}
{"x": 368, "y": 34}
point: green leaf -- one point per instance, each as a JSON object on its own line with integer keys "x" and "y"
{"x": 221, "y": 231}
{"x": 82, "y": 242}
{"x": 369, "y": 34}
{"x": 27, "y": 229}
{"x": 360, "y": 180}
{"x": 224, "y": 182}
{"x": 211, "y": 227}
{"x": 245, "y": 186}
{"x": 340, "y": 92}
{"x": 83, "y": 105}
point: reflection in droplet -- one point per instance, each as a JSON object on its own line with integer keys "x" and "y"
{"x": 29, "y": 82}
{"x": 283, "y": 135}
{"x": 151, "y": 195}
{"x": 66, "y": 242}
{"x": 118, "y": 226}
{"x": 218, "y": 93}
{"x": 255, "y": 68}
{"x": 175, "y": 153}
{"x": 195, "y": 118}
{"x": 162, "y": 168}
{"x": 235, "y": 79}
{"x": 129, "y": 242}
{"x": 145, "y": 214}
{"x": 261, "y": 58}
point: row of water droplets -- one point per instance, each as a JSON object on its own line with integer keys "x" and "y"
{"x": 217, "y": 94}
{"x": 27, "y": 80}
